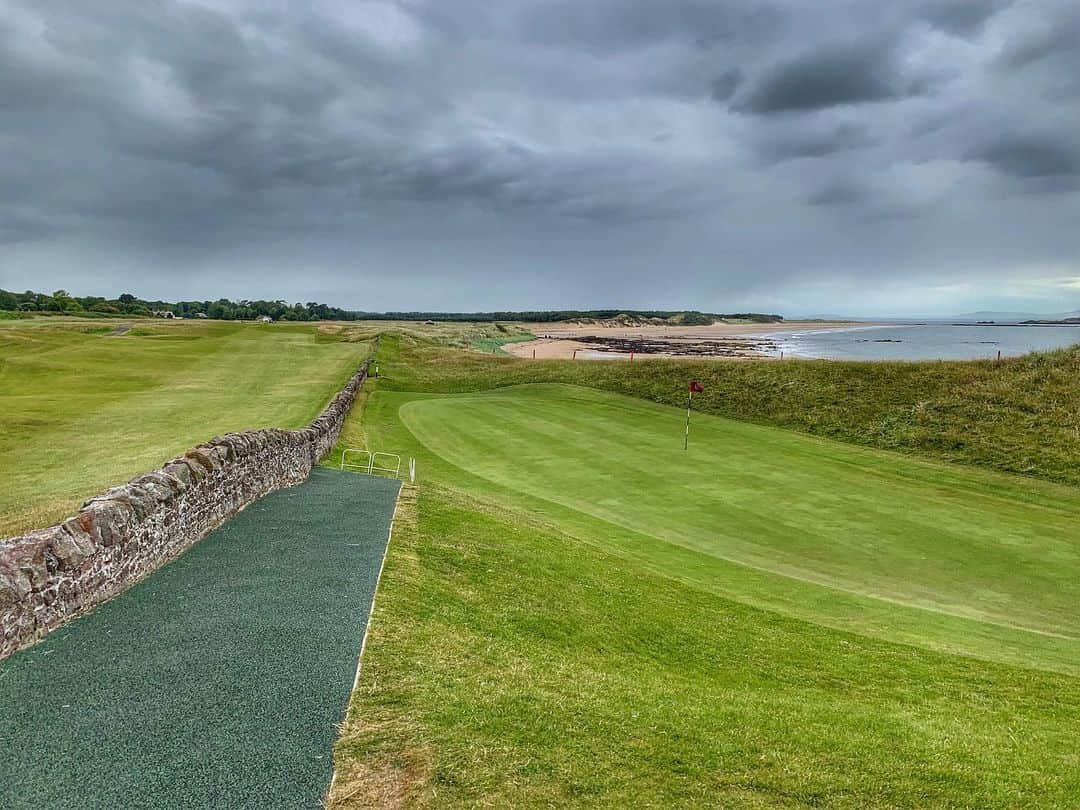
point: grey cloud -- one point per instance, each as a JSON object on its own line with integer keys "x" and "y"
{"x": 723, "y": 87}
{"x": 615, "y": 25}
{"x": 399, "y": 153}
{"x": 1055, "y": 32}
{"x": 19, "y": 227}
{"x": 813, "y": 141}
{"x": 838, "y": 192}
{"x": 962, "y": 17}
{"x": 1030, "y": 156}
{"x": 831, "y": 75}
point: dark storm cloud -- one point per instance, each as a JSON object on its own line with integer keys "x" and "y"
{"x": 830, "y": 76}
{"x": 424, "y": 153}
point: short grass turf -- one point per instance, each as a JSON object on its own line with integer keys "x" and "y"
{"x": 836, "y": 534}
{"x": 220, "y": 680}
{"x": 542, "y": 639}
{"x": 82, "y": 410}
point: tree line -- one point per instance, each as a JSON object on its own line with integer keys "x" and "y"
{"x": 62, "y": 302}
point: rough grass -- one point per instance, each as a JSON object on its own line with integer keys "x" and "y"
{"x": 519, "y": 658}
{"x": 494, "y": 345}
{"x": 81, "y": 410}
{"x": 458, "y": 334}
{"x": 1021, "y": 415}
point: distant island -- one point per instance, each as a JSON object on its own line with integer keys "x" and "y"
{"x": 993, "y": 318}
{"x": 1058, "y": 322}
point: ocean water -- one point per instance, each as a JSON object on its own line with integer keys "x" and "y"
{"x": 924, "y": 341}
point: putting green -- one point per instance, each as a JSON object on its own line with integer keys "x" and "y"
{"x": 921, "y": 552}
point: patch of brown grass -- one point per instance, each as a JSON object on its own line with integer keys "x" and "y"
{"x": 384, "y": 782}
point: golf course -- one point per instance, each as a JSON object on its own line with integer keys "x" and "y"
{"x": 834, "y": 597}
{"x": 630, "y": 404}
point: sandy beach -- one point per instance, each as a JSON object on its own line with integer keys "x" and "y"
{"x": 722, "y": 341}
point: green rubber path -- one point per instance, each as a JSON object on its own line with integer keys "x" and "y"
{"x": 220, "y": 680}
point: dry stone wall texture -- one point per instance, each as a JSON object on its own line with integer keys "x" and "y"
{"x": 49, "y": 575}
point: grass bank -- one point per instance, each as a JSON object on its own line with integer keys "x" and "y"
{"x": 548, "y": 633}
{"x": 83, "y": 408}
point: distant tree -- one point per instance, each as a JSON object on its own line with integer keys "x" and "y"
{"x": 222, "y": 309}
{"x": 65, "y": 303}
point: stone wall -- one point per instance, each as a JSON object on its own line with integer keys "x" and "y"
{"x": 49, "y": 575}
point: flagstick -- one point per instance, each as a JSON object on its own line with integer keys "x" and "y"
{"x": 686, "y": 438}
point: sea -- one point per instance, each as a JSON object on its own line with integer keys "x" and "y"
{"x": 924, "y": 341}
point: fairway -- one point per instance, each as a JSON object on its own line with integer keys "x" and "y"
{"x": 927, "y": 553}
{"x": 82, "y": 409}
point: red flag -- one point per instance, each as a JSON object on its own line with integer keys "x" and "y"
{"x": 696, "y": 387}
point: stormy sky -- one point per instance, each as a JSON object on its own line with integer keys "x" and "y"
{"x": 835, "y": 156}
